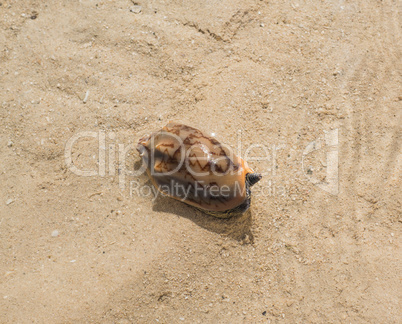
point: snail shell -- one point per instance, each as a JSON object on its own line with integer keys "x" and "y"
{"x": 188, "y": 165}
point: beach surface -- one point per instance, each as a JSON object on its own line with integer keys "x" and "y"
{"x": 308, "y": 91}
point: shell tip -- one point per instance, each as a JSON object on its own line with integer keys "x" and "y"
{"x": 253, "y": 178}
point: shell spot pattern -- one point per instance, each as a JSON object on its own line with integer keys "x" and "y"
{"x": 188, "y": 165}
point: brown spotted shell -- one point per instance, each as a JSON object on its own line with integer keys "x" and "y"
{"x": 188, "y": 165}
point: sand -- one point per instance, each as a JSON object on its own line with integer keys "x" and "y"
{"x": 313, "y": 87}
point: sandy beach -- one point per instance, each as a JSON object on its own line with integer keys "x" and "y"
{"x": 308, "y": 91}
